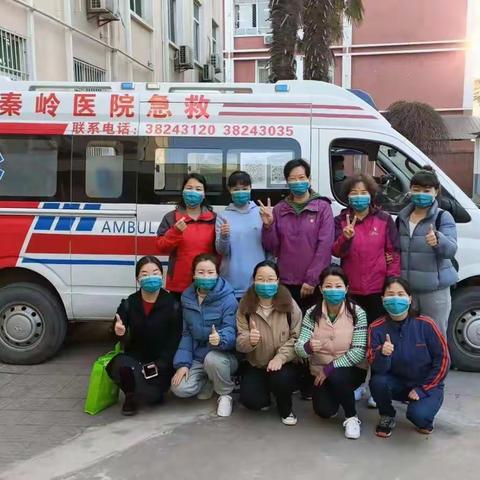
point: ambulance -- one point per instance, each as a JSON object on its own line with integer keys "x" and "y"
{"x": 87, "y": 172}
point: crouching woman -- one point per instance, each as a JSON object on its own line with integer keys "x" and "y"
{"x": 148, "y": 324}
{"x": 268, "y": 322}
{"x": 205, "y": 360}
{"x": 334, "y": 338}
{"x": 409, "y": 359}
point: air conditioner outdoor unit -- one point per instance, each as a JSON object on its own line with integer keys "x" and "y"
{"x": 184, "y": 58}
{"x": 208, "y": 73}
{"x": 268, "y": 39}
{"x": 106, "y": 9}
{"x": 216, "y": 60}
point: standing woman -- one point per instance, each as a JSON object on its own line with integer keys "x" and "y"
{"x": 148, "y": 323}
{"x": 428, "y": 240}
{"x": 268, "y": 322}
{"x": 409, "y": 359}
{"x": 239, "y": 235}
{"x": 364, "y": 235}
{"x": 334, "y": 338}
{"x": 299, "y": 231}
{"x": 186, "y": 232}
{"x": 205, "y": 360}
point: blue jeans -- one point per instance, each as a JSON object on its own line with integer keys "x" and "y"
{"x": 385, "y": 388}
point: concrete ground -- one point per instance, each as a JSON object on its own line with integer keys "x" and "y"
{"x": 45, "y": 435}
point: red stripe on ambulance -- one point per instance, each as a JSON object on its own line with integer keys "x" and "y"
{"x": 24, "y": 128}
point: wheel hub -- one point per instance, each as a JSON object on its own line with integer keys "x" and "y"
{"x": 21, "y": 326}
{"x": 468, "y": 331}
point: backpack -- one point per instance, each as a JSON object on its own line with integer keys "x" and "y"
{"x": 438, "y": 222}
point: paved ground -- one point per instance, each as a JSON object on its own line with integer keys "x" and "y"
{"x": 45, "y": 435}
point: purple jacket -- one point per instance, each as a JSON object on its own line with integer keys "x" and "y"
{"x": 302, "y": 243}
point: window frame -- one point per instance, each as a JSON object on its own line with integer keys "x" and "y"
{"x": 172, "y": 21}
{"x": 136, "y": 6}
{"x": 13, "y": 58}
{"x": 91, "y": 72}
{"x": 196, "y": 25}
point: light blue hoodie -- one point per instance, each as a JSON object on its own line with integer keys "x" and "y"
{"x": 242, "y": 249}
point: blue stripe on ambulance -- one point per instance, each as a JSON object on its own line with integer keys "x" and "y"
{"x": 64, "y": 224}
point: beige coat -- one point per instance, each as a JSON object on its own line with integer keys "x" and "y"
{"x": 277, "y": 340}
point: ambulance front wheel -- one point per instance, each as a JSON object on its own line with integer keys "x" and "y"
{"x": 33, "y": 324}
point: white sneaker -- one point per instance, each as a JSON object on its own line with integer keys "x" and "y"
{"x": 359, "y": 392}
{"x": 371, "y": 403}
{"x": 225, "y": 406}
{"x": 206, "y": 392}
{"x": 290, "y": 420}
{"x": 352, "y": 428}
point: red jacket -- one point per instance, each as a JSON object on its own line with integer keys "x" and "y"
{"x": 183, "y": 247}
{"x": 363, "y": 256}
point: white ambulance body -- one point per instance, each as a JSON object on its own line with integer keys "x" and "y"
{"x": 87, "y": 172}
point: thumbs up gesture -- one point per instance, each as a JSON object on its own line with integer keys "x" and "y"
{"x": 349, "y": 230}
{"x": 225, "y": 229}
{"x": 254, "y": 334}
{"x": 181, "y": 225}
{"x": 119, "y": 326}
{"x": 214, "y": 337}
{"x": 388, "y": 346}
{"x": 431, "y": 237}
{"x": 315, "y": 343}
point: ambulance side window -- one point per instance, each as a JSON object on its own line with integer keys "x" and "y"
{"x": 35, "y": 167}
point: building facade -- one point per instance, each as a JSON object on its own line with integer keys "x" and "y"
{"x": 415, "y": 51}
{"x": 111, "y": 40}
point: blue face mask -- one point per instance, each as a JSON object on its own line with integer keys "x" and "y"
{"x": 359, "y": 202}
{"x": 266, "y": 290}
{"x": 192, "y": 198}
{"x": 151, "y": 283}
{"x": 334, "y": 296}
{"x": 422, "y": 200}
{"x": 338, "y": 175}
{"x": 205, "y": 283}
{"x": 396, "y": 306}
{"x": 299, "y": 188}
{"x": 241, "y": 197}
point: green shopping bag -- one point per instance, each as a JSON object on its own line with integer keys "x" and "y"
{"x": 102, "y": 391}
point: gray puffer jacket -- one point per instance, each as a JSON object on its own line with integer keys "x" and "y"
{"x": 428, "y": 269}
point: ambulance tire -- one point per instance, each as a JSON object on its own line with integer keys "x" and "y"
{"x": 463, "y": 333}
{"x": 33, "y": 324}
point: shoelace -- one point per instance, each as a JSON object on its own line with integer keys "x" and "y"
{"x": 384, "y": 422}
{"x": 357, "y": 420}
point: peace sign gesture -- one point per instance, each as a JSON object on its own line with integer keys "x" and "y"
{"x": 266, "y": 212}
{"x": 349, "y": 230}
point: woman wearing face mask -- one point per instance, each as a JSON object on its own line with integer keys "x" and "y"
{"x": 149, "y": 325}
{"x": 428, "y": 241}
{"x": 409, "y": 359}
{"x": 239, "y": 234}
{"x": 205, "y": 360}
{"x": 334, "y": 339}
{"x": 186, "y": 232}
{"x": 364, "y": 235}
{"x": 268, "y": 322}
{"x": 299, "y": 232}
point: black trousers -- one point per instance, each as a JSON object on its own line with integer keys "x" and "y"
{"x": 126, "y": 372}
{"x": 338, "y": 390}
{"x": 372, "y": 304}
{"x": 306, "y": 302}
{"x": 257, "y": 384}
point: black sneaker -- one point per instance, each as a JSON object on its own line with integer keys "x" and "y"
{"x": 385, "y": 426}
{"x": 129, "y": 406}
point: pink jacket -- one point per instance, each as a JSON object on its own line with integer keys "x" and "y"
{"x": 363, "y": 256}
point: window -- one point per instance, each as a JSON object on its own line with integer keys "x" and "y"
{"x": 263, "y": 71}
{"x": 252, "y": 17}
{"x": 86, "y": 72}
{"x": 136, "y": 6}
{"x": 172, "y": 18}
{"x": 391, "y": 169}
{"x": 104, "y": 170}
{"x": 214, "y": 38}
{"x": 29, "y": 167}
{"x": 13, "y": 61}
{"x": 166, "y": 161}
{"x": 196, "y": 31}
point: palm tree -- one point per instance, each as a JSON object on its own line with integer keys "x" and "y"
{"x": 285, "y": 18}
{"x": 420, "y": 123}
{"x": 323, "y": 25}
